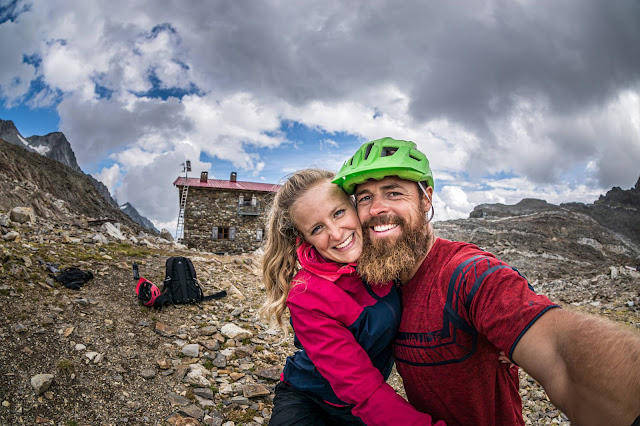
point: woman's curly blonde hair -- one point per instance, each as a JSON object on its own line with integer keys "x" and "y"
{"x": 279, "y": 263}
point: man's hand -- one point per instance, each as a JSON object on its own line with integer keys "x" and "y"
{"x": 589, "y": 367}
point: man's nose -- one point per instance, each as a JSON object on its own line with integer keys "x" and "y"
{"x": 378, "y": 207}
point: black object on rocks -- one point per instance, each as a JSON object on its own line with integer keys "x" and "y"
{"x": 73, "y": 278}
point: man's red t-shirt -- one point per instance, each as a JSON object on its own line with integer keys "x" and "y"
{"x": 460, "y": 310}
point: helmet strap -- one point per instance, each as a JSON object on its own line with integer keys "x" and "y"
{"x": 433, "y": 212}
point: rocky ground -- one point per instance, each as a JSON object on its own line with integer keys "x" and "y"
{"x": 94, "y": 356}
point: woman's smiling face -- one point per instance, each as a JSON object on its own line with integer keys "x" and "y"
{"x": 327, "y": 219}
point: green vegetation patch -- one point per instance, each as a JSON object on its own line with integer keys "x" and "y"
{"x": 129, "y": 250}
{"x": 238, "y": 416}
{"x": 65, "y": 365}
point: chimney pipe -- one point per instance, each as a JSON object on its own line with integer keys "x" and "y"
{"x": 233, "y": 176}
{"x": 204, "y": 176}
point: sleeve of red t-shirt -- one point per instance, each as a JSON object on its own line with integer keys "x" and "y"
{"x": 500, "y": 302}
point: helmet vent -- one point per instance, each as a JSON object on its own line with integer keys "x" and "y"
{"x": 388, "y": 151}
{"x": 368, "y": 151}
{"x": 415, "y": 158}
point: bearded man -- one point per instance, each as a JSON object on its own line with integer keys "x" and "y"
{"x": 463, "y": 307}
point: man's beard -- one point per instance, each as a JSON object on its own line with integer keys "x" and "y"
{"x": 387, "y": 259}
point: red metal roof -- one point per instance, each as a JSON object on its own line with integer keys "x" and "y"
{"x": 227, "y": 184}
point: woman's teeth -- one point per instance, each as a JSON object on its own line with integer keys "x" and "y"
{"x": 345, "y": 243}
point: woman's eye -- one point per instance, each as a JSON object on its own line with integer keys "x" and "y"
{"x": 315, "y": 230}
{"x": 339, "y": 213}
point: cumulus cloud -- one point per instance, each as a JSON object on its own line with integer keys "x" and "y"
{"x": 328, "y": 143}
{"x": 15, "y": 74}
{"x": 149, "y": 187}
{"x": 98, "y": 128}
{"x": 544, "y": 91}
{"x": 109, "y": 176}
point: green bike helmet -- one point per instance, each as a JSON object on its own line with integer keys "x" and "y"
{"x": 381, "y": 158}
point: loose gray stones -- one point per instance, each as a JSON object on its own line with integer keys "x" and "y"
{"x": 254, "y": 390}
{"x": 208, "y": 330}
{"x": 41, "y": 383}
{"x": 148, "y": 373}
{"x": 219, "y": 361}
{"x": 233, "y": 331}
{"x": 205, "y": 393}
{"x": 192, "y": 411}
{"x": 176, "y": 399}
{"x": 11, "y": 236}
{"x": 192, "y": 350}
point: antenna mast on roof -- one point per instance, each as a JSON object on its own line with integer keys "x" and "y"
{"x": 186, "y": 168}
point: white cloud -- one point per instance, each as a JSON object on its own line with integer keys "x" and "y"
{"x": 110, "y": 176}
{"x": 455, "y": 197}
{"x": 228, "y": 128}
{"x": 134, "y": 157}
{"x": 493, "y": 89}
{"x": 15, "y": 74}
{"x": 328, "y": 143}
{"x": 64, "y": 69}
{"x": 259, "y": 167}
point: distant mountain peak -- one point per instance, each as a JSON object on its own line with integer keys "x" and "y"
{"x": 131, "y": 211}
{"x": 9, "y": 132}
{"x": 55, "y": 146}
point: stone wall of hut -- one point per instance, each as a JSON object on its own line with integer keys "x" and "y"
{"x": 225, "y": 221}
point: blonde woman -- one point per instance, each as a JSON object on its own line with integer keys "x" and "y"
{"x": 343, "y": 326}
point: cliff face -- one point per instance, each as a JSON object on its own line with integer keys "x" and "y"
{"x": 10, "y": 133}
{"x": 526, "y": 206}
{"x": 56, "y": 147}
{"x": 131, "y": 211}
{"x": 618, "y": 210}
{"x": 29, "y": 179}
{"x": 104, "y": 191}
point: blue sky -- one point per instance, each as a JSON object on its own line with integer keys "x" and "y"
{"x": 32, "y": 121}
{"x": 505, "y": 98}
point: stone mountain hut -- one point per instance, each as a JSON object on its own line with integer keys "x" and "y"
{"x": 223, "y": 216}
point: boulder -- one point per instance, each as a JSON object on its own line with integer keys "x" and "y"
{"x": 99, "y": 238}
{"x": 11, "y": 236}
{"x": 113, "y": 231}
{"x": 22, "y": 215}
{"x": 166, "y": 235}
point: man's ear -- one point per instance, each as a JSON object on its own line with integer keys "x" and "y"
{"x": 428, "y": 200}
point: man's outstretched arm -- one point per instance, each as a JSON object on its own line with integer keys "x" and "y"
{"x": 589, "y": 367}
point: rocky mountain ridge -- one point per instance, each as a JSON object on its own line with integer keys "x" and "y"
{"x": 53, "y": 145}
{"x": 618, "y": 210}
{"x": 95, "y": 356}
{"x": 56, "y": 147}
{"x": 52, "y": 189}
{"x": 131, "y": 211}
